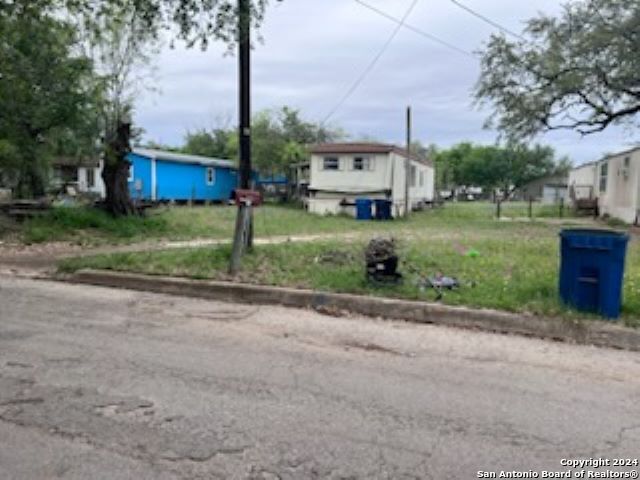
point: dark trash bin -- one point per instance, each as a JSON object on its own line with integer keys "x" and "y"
{"x": 363, "y": 208}
{"x": 383, "y": 209}
{"x": 592, "y": 269}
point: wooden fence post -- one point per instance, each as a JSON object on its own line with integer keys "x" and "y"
{"x": 530, "y": 208}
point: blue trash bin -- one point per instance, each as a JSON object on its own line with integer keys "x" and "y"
{"x": 592, "y": 269}
{"x": 383, "y": 209}
{"x": 363, "y": 208}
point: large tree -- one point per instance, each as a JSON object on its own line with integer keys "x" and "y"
{"x": 497, "y": 167}
{"x": 578, "y": 71}
{"x": 197, "y": 22}
{"x": 278, "y": 137}
{"x": 46, "y": 93}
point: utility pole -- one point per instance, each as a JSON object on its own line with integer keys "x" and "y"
{"x": 407, "y": 166}
{"x": 243, "y": 236}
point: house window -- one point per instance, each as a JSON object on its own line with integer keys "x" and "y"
{"x": 362, "y": 163}
{"x": 130, "y": 178}
{"x": 414, "y": 174}
{"x": 211, "y": 175}
{"x": 421, "y": 179}
{"x": 604, "y": 170}
{"x": 330, "y": 163}
{"x": 91, "y": 178}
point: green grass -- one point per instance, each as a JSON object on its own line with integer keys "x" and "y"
{"x": 516, "y": 270}
{"x": 93, "y": 227}
{"x": 89, "y": 225}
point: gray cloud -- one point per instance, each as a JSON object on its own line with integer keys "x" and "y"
{"x": 313, "y": 51}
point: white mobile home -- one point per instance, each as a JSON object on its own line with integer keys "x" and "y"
{"x": 341, "y": 172}
{"x": 617, "y": 184}
{"x": 614, "y": 181}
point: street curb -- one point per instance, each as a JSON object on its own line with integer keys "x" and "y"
{"x": 582, "y": 332}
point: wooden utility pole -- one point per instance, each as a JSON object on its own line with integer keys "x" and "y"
{"x": 243, "y": 236}
{"x": 407, "y": 165}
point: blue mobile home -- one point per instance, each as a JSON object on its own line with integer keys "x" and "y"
{"x": 160, "y": 175}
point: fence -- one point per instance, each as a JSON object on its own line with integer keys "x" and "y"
{"x": 532, "y": 209}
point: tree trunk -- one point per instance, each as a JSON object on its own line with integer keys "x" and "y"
{"x": 31, "y": 180}
{"x": 116, "y": 173}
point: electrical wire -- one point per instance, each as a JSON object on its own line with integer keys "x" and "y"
{"x": 487, "y": 20}
{"x": 416, "y": 29}
{"x": 354, "y": 86}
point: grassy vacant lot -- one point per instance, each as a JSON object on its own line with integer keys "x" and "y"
{"x": 516, "y": 269}
{"x": 93, "y": 227}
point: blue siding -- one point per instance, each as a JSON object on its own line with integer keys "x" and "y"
{"x": 141, "y": 173}
{"x": 181, "y": 181}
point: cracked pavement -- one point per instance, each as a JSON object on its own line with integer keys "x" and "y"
{"x": 112, "y": 384}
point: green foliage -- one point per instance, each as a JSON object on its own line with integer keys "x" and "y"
{"x": 47, "y": 88}
{"x": 578, "y": 71}
{"x": 278, "y": 139}
{"x": 492, "y": 167}
{"x": 216, "y": 143}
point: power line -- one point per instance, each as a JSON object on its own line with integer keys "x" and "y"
{"x": 415, "y": 29}
{"x": 371, "y": 64}
{"x": 487, "y": 20}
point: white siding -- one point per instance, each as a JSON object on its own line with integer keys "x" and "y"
{"x": 583, "y": 179}
{"x": 388, "y": 173}
{"x": 98, "y": 187}
{"x": 620, "y": 199}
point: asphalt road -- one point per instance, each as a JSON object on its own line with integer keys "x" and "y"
{"x": 98, "y": 383}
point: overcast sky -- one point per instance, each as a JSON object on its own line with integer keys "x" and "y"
{"x": 313, "y": 51}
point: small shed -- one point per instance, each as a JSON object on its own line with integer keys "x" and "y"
{"x": 158, "y": 175}
{"x": 549, "y": 189}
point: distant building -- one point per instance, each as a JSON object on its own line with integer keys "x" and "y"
{"x": 158, "y": 175}
{"x": 549, "y": 189}
{"x": 85, "y": 176}
{"x": 341, "y": 172}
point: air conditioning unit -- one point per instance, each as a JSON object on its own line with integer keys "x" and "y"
{"x": 624, "y": 173}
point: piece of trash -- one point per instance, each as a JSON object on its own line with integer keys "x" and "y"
{"x": 472, "y": 253}
{"x": 440, "y": 281}
{"x": 334, "y": 257}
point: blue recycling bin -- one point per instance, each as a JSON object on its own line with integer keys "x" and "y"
{"x": 363, "y": 208}
{"x": 383, "y": 209}
{"x": 592, "y": 269}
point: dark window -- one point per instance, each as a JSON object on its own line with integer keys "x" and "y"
{"x": 330, "y": 163}
{"x": 413, "y": 176}
{"x": 91, "y": 178}
{"x": 211, "y": 176}
{"x": 362, "y": 163}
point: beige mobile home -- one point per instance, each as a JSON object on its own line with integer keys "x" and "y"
{"x": 617, "y": 185}
{"x": 342, "y": 172}
{"x": 614, "y": 181}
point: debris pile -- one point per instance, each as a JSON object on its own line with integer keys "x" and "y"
{"x": 382, "y": 261}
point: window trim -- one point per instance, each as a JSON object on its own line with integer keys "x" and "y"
{"x": 604, "y": 176}
{"x": 210, "y": 176}
{"x": 131, "y": 175}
